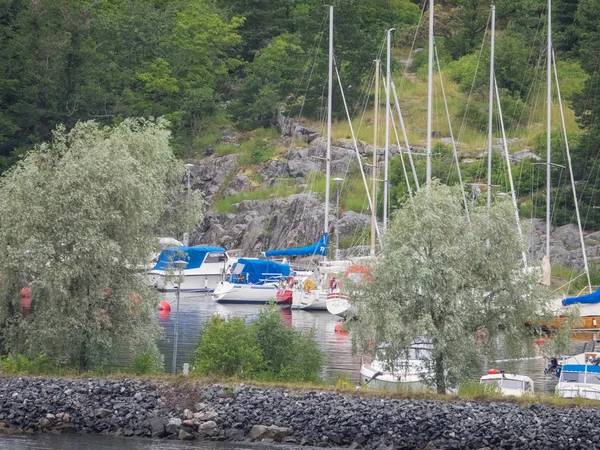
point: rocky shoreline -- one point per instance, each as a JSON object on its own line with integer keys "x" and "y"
{"x": 188, "y": 411}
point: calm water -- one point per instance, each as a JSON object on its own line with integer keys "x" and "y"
{"x": 95, "y": 442}
{"x": 196, "y": 309}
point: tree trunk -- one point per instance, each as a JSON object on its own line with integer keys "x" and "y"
{"x": 440, "y": 376}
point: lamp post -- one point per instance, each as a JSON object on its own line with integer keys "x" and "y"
{"x": 338, "y": 182}
{"x": 188, "y": 168}
{"x": 180, "y": 266}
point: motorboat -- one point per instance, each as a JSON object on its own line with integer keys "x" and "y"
{"x": 580, "y": 380}
{"x": 405, "y": 374}
{"x": 591, "y": 353}
{"x": 205, "y": 268}
{"x": 509, "y": 384}
{"x": 252, "y": 280}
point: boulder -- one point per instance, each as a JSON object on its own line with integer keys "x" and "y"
{"x": 186, "y": 436}
{"x": 258, "y": 432}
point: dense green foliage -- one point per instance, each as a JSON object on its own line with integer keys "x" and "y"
{"x": 266, "y": 349}
{"x": 210, "y": 64}
{"x": 79, "y": 216}
{"x": 446, "y": 280}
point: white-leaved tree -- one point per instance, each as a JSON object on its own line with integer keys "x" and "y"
{"x": 461, "y": 286}
{"x": 78, "y": 221}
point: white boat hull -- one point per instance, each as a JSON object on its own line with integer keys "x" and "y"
{"x": 315, "y": 300}
{"x": 409, "y": 380}
{"x": 582, "y": 390}
{"x": 201, "y": 282}
{"x": 338, "y": 305}
{"x": 226, "y": 292}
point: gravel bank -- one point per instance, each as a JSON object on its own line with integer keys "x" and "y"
{"x": 189, "y": 411}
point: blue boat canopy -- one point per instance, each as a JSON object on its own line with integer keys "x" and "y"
{"x": 194, "y": 256}
{"x": 581, "y": 368}
{"x": 594, "y": 297}
{"x": 257, "y": 271}
{"x": 318, "y": 248}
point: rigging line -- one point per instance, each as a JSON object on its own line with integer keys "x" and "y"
{"x": 398, "y": 141}
{"x": 460, "y": 131}
{"x": 408, "y": 150}
{"x": 512, "y": 188}
{"x": 356, "y": 147}
{"x": 412, "y": 46}
{"x": 454, "y": 150}
{"x": 316, "y": 47}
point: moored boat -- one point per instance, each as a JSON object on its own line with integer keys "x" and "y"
{"x": 205, "y": 268}
{"x": 509, "y": 384}
{"x": 580, "y": 380}
{"x": 251, "y": 281}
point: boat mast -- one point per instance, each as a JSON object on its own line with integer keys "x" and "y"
{"x": 429, "y": 93}
{"x": 491, "y": 112}
{"x": 388, "y": 78}
{"x": 548, "y": 125}
{"x": 374, "y": 170}
{"x": 329, "y": 100}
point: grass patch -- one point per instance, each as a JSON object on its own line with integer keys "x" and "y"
{"x": 352, "y": 190}
{"x": 578, "y": 279}
{"x": 226, "y": 149}
{"x": 281, "y": 189}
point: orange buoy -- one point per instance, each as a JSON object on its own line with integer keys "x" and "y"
{"x": 493, "y": 371}
{"x": 164, "y": 306}
{"x": 339, "y": 328}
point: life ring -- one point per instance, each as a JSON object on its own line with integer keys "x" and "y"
{"x": 290, "y": 281}
{"x": 309, "y": 285}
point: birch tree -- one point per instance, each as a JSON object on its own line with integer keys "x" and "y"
{"x": 77, "y": 221}
{"x": 463, "y": 287}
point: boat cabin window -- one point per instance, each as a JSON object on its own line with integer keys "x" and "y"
{"x": 238, "y": 268}
{"x": 573, "y": 377}
{"x": 215, "y": 257}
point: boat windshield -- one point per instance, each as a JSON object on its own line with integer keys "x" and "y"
{"x": 507, "y": 383}
{"x": 215, "y": 257}
{"x": 573, "y": 377}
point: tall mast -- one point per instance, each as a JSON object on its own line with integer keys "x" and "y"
{"x": 388, "y": 78}
{"x": 491, "y": 111}
{"x": 548, "y": 126}
{"x": 429, "y": 93}
{"x": 329, "y": 100}
{"x": 374, "y": 171}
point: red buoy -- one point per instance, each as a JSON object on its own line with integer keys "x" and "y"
{"x": 493, "y": 371}
{"x": 339, "y": 328}
{"x": 164, "y": 306}
{"x": 540, "y": 341}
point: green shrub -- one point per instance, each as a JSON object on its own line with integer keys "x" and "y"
{"x": 266, "y": 349}
{"x": 227, "y": 348}
{"x": 475, "y": 388}
{"x": 226, "y": 149}
{"x": 148, "y": 362}
{"x": 287, "y": 354}
{"x": 17, "y": 364}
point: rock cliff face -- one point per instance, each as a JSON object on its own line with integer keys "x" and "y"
{"x": 255, "y": 226}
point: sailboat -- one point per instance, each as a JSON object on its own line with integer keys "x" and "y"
{"x": 589, "y": 305}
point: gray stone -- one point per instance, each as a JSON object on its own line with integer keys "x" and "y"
{"x": 258, "y": 432}
{"x": 207, "y": 426}
{"x": 157, "y": 427}
{"x": 175, "y": 421}
{"x": 206, "y": 416}
{"x": 45, "y": 423}
{"x": 101, "y": 413}
{"x": 187, "y": 414}
{"x": 186, "y": 436}
{"x": 278, "y": 433}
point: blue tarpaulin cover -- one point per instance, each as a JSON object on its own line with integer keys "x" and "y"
{"x": 194, "y": 256}
{"x": 594, "y": 297}
{"x": 257, "y": 271}
{"x": 318, "y": 248}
